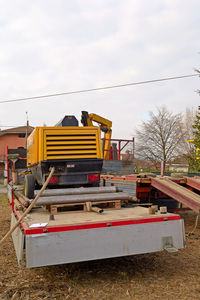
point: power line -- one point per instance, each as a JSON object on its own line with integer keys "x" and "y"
{"x": 97, "y": 88}
{"x": 10, "y": 126}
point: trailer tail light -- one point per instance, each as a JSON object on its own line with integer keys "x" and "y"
{"x": 54, "y": 180}
{"x": 93, "y": 177}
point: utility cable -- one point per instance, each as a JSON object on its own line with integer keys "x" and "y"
{"x": 9, "y": 126}
{"x": 97, "y": 89}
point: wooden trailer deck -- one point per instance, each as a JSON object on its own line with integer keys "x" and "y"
{"x": 41, "y": 215}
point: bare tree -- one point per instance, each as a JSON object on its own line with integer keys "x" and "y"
{"x": 160, "y": 138}
{"x": 189, "y": 147}
{"x": 188, "y": 122}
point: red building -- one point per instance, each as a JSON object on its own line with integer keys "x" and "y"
{"x": 12, "y": 138}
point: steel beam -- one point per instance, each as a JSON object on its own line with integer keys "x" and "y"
{"x": 177, "y": 192}
{"x": 82, "y": 198}
{"x": 80, "y": 191}
{"x": 194, "y": 183}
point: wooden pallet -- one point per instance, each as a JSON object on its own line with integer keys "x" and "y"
{"x": 86, "y": 206}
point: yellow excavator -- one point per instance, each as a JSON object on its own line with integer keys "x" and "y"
{"x": 75, "y": 151}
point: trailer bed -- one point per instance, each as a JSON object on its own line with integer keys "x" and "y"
{"x": 83, "y": 236}
{"x": 39, "y": 215}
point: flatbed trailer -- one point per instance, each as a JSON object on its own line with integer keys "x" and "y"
{"x": 77, "y": 236}
{"x": 160, "y": 190}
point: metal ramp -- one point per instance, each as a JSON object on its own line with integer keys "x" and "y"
{"x": 177, "y": 192}
{"x": 193, "y": 182}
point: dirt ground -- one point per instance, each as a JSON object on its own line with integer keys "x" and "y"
{"x": 151, "y": 276}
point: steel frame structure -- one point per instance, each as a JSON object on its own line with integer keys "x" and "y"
{"x": 177, "y": 192}
{"x": 193, "y": 182}
{"x": 120, "y": 146}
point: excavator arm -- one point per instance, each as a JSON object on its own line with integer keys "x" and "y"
{"x": 105, "y": 126}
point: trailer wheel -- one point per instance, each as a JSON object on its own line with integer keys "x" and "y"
{"x": 29, "y": 186}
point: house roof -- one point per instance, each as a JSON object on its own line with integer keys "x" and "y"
{"x": 20, "y": 129}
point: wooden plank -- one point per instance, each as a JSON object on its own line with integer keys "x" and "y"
{"x": 114, "y": 204}
{"x": 53, "y": 209}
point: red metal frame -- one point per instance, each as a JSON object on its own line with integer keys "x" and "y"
{"x": 193, "y": 182}
{"x": 8, "y": 179}
{"x": 12, "y": 202}
{"x": 176, "y": 194}
{"x": 133, "y": 177}
{"x": 119, "y": 145}
{"x": 161, "y": 191}
{"x": 13, "y": 164}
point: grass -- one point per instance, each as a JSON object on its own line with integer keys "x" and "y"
{"x": 3, "y": 200}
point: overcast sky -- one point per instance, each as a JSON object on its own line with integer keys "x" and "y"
{"x": 52, "y": 46}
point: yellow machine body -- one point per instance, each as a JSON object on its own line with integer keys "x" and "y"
{"x": 62, "y": 143}
{"x": 105, "y": 126}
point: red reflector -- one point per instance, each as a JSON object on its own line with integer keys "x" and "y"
{"x": 93, "y": 177}
{"x": 54, "y": 179}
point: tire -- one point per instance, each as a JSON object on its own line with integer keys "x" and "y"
{"x": 29, "y": 186}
